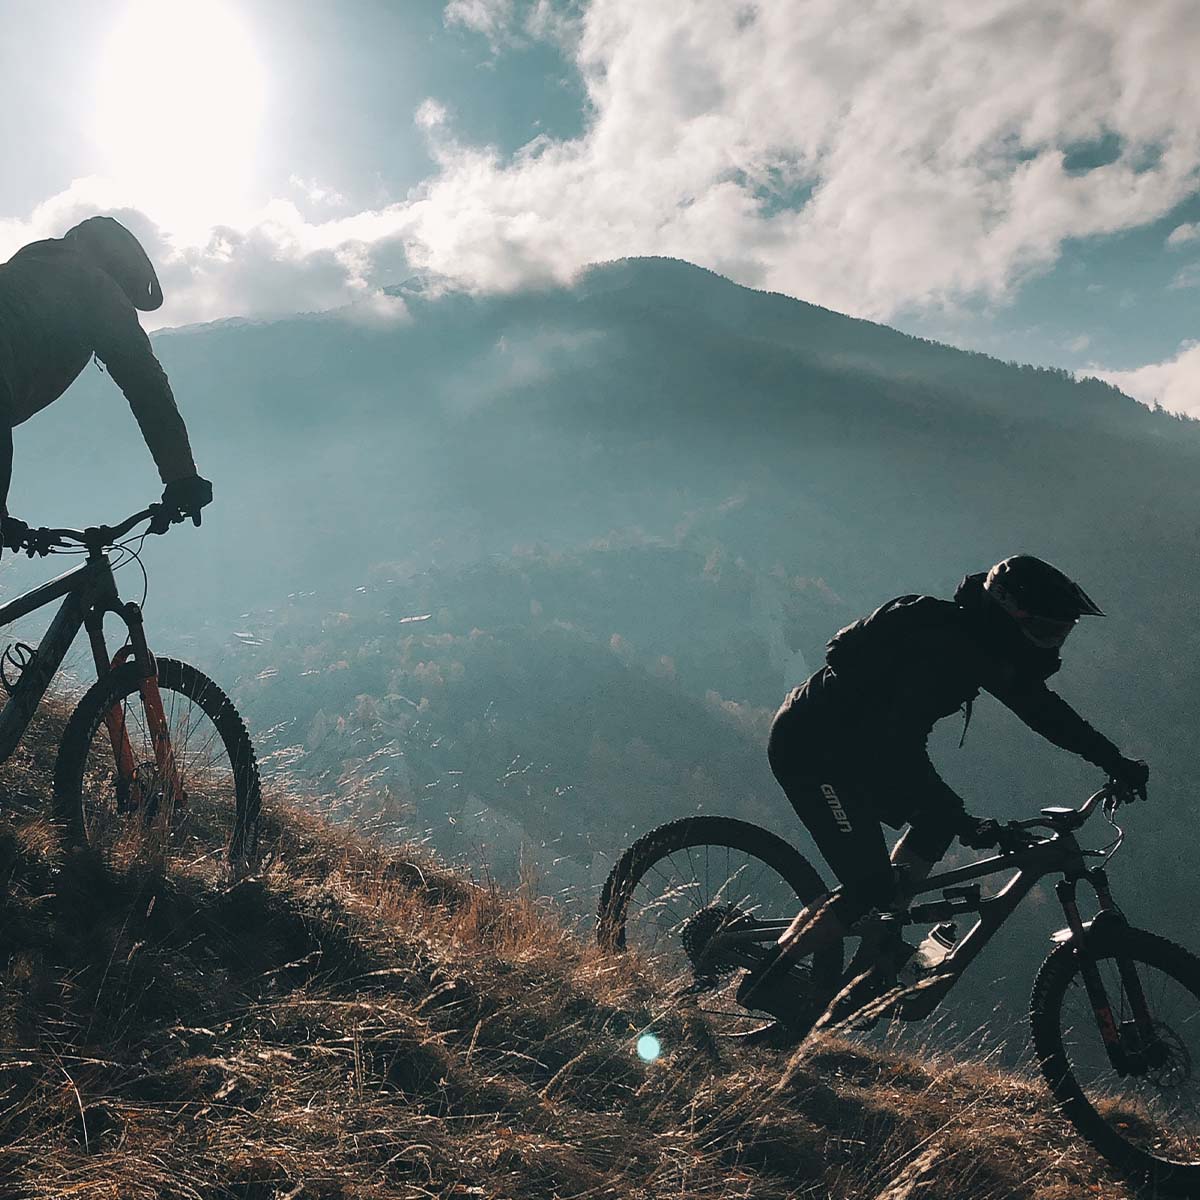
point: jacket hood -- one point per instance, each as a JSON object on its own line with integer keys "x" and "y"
{"x": 119, "y": 254}
{"x": 969, "y": 593}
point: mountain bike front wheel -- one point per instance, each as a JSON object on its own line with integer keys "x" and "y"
{"x": 1124, "y": 1061}
{"x": 172, "y": 764}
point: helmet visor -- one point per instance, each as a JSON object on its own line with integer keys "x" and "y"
{"x": 1047, "y": 632}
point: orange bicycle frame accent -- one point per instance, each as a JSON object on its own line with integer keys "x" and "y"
{"x": 156, "y": 718}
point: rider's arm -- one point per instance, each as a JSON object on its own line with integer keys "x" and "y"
{"x": 124, "y": 348}
{"x": 6, "y": 459}
{"x": 1049, "y": 714}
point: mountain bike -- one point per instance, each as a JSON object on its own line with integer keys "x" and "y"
{"x": 1115, "y": 1011}
{"x": 154, "y": 744}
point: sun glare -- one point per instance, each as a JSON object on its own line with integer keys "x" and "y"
{"x": 178, "y": 107}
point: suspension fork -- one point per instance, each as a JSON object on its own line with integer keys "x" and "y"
{"x": 129, "y": 789}
{"x": 1092, "y": 982}
{"x": 1130, "y": 980}
{"x": 1109, "y": 916}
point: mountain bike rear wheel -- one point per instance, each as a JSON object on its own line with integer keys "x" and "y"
{"x": 683, "y": 883}
{"x": 206, "y": 811}
{"x": 1144, "y": 1118}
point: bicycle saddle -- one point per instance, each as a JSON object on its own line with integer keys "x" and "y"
{"x": 1061, "y": 818}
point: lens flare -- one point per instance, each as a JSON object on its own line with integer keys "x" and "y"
{"x": 648, "y": 1047}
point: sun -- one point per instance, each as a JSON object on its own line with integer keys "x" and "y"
{"x": 179, "y": 101}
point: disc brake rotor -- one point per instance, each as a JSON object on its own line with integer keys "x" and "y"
{"x": 1169, "y": 1065}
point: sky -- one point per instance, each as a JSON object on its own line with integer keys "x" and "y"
{"x": 1020, "y": 177}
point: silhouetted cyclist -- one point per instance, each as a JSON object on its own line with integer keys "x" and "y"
{"x": 63, "y": 300}
{"x": 849, "y": 745}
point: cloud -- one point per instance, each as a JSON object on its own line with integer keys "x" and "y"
{"x": 1182, "y": 234}
{"x": 317, "y": 193}
{"x": 914, "y": 156}
{"x": 1174, "y": 384}
{"x": 1186, "y": 277}
{"x": 494, "y": 19}
{"x": 508, "y": 23}
{"x": 907, "y": 157}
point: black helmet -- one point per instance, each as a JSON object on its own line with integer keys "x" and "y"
{"x": 118, "y": 253}
{"x": 1043, "y": 601}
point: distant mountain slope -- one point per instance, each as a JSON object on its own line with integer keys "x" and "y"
{"x": 647, "y": 390}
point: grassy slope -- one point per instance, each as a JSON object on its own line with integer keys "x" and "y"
{"x": 360, "y": 1022}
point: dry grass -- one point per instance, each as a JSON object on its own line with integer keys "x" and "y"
{"x": 360, "y": 1022}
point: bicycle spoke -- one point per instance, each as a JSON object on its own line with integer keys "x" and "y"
{"x": 207, "y": 779}
{"x": 688, "y": 896}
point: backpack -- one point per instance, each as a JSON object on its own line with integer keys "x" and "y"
{"x": 871, "y": 649}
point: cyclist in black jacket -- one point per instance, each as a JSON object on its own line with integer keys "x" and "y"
{"x": 63, "y": 300}
{"x": 849, "y": 745}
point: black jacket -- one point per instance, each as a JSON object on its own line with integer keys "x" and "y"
{"x": 891, "y": 676}
{"x": 57, "y": 309}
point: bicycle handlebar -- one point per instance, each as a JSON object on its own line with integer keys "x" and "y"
{"x": 98, "y": 537}
{"x": 1112, "y": 792}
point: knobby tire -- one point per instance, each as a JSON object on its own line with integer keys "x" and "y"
{"x": 121, "y": 685}
{"x": 1060, "y": 969}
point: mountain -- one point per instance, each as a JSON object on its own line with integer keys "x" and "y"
{"x": 633, "y": 509}
{"x": 361, "y": 1022}
{"x": 650, "y": 391}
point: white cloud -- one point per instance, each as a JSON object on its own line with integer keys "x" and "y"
{"x": 907, "y": 155}
{"x": 1174, "y": 384}
{"x": 1182, "y": 234}
{"x": 494, "y": 19}
{"x": 509, "y": 23}
{"x": 317, "y": 193}
{"x": 910, "y": 156}
{"x": 1186, "y": 277}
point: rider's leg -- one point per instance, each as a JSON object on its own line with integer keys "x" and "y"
{"x": 910, "y": 865}
{"x": 931, "y": 830}
{"x": 839, "y": 818}
{"x": 851, "y": 841}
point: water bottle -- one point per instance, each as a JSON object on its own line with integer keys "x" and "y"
{"x": 930, "y": 954}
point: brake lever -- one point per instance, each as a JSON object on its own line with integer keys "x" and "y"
{"x": 41, "y": 542}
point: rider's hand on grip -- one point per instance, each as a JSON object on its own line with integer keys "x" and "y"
{"x": 1131, "y": 776}
{"x": 161, "y": 518}
{"x": 13, "y": 532}
{"x": 185, "y": 498}
{"x": 979, "y": 833}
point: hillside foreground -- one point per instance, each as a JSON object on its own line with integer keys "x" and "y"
{"x": 359, "y": 1021}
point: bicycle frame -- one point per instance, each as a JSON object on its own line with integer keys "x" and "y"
{"x": 1058, "y": 854}
{"x": 1029, "y": 865}
{"x": 89, "y": 593}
